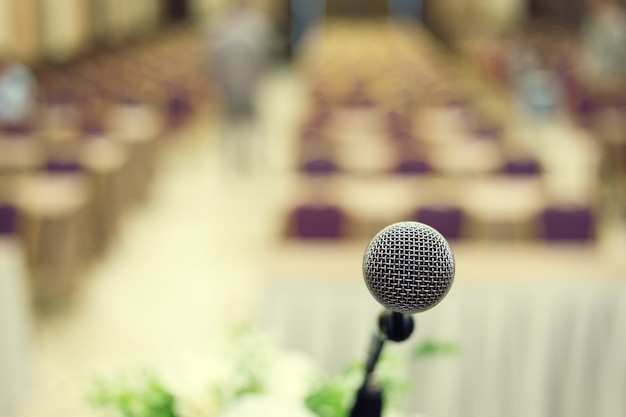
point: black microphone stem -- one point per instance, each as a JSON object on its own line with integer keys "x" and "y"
{"x": 376, "y": 348}
{"x": 391, "y": 326}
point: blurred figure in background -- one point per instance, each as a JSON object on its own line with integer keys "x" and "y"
{"x": 603, "y": 64}
{"x": 240, "y": 51}
{"x": 406, "y": 10}
{"x": 603, "y": 51}
{"x": 539, "y": 95}
{"x": 17, "y": 94}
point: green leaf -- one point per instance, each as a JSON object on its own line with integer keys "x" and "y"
{"x": 432, "y": 348}
{"x": 143, "y": 396}
{"x": 330, "y": 399}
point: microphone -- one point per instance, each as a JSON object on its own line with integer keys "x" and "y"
{"x": 408, "y": 268}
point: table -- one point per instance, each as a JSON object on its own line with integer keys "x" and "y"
{"x": 106, "y": 161}
{"x": 540, "y": 327}
{"x": 373, "y": 202}
{"x": 53, "y": 217}
{"x": 495, "y": 202}
{"x": 18, "y": 155}
{"x": 16, "y": 324}
{"x": 466, "y": 157}
{"x": 139, "y": 127}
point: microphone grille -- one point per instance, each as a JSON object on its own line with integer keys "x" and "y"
{"x": 408, "y": 267}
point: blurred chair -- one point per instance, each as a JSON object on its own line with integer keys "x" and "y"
{"x": 313, "y": 221}
{"x": 358, "y": 98}
{"x": 315, "y": 154}
{"x": 8, "y": 219}
{"x": 402, "y": 136}
{"x": 412, "y": 167}
{"x": 106, "y": 161}
{"x": 16, "y": 130}
{"x": 138, "y": 126}
{"x": 397, "y": 121}
{"x": 319, "y": 166}
{"x": 446, "y": 219}
{"x": 54, "y": 213}
{"x": 63, "y": 166}
{"x": 488, "y": 132}
{"x": 312, "y": 134}
{"x": 21, "y": 156}
{"x": 568, "y": 223}
{"x": 521, "y": 167}
{"x": 179, "y": 107}
{"x": 318, "y": 119}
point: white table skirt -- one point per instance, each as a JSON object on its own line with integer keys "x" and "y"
{"x": 534, "y": 348}
{"x": 15, "y": 326}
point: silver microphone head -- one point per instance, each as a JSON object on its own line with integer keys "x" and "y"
{"x": 408, "y": 267}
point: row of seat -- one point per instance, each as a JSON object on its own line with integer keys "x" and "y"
{"x": 70, "y": 174}
{"x": 406, "y": 116}
{"x": 394, "y": 107}
{"x": 320, "y": 157}
{"x": 554, "y": 224}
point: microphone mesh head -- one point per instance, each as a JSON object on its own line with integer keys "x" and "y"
{"x": 408, "y": 267}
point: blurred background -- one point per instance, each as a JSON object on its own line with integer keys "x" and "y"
{"x": 169, "y": 168}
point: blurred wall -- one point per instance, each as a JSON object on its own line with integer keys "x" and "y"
{"x": 58, "y": 30}
{"x": 20, "y": 30}
{"x": 566, "y": 13}
{"x": 123, "y": 19}
{"x": 203, "y": 9}
{"x": 66, "y": 28}
{"x": 5, "y": 28}
{"x": 453, "y": 20}
{"x": 500, "y": 15}
{"x": 368, "y": 8}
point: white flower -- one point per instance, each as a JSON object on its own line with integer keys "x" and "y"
{"x": 291, "y": 376}
{"x": 266, "y": 405}
{"x": 205, "y": 404}
{"x": 192, "y": 383}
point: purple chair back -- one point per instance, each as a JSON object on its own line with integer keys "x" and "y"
{"x": 318, "y": 222}
{"x": 568, "y": 223}
{"x": 447, "y": 220}
{"x": 522, "y": 167}
{"x": 16, "y": 129}
{"x": 62, "y": 166}
{"x": 8, "y": 219}
{"x": 179, "y": 109}
{"x": 413, "y": 167}
{"x": 319, "y": 166}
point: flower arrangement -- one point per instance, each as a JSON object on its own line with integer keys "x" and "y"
{"x": 251, "y": 376}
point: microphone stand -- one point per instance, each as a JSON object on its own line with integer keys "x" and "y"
{"x": 393, "y": 326}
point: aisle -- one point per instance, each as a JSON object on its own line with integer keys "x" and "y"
{"x": 186, "y": 264}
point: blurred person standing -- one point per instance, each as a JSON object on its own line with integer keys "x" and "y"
{"x": 240, "y": 51}
{"x": 603, "y": 65}
{"x": 603, "y": 47}
{"x": 17, "y": 94}
{"x": 538, "y": 92}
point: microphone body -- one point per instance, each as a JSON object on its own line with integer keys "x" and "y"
{"x": 408, "y": 267}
